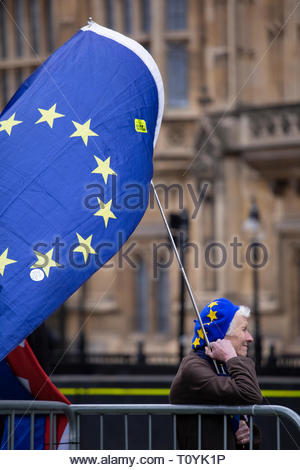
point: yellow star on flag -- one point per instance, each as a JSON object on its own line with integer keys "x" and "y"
{"x": 196, "y": 342}
{"x": 103, "y": 168}
{"x": 212, "y": 304}
{"x": 83, "y": 131}
{"x": 212, "y": 315}
{"x": 9, "y": 123}
{"x": 48, "y": 115}
{"x": 105, "y": 211}
{"x": 45, "y": 261}
{"x": 85, "y": 246}
{"x": 4, "y": 261}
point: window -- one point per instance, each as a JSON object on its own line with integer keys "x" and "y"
{"x": 17, "y": 17}
{"x": 162, "y": 299}
{"x": 142, "y": 286}
{"x": 128, "y": 16}
{"x": 109, "y": 13}
{"x": 4, "y": 88}
{"x": 35, "y": 25}
{"x": 49, "y": 26}
{"x": 177, "y": 75}
{"x": 19, "y": 77}
{"x": 19, "y": 13}
{"x": 176, "y": 14}
{"x": 145, "y": 16}
{"x": 3, "y": 33}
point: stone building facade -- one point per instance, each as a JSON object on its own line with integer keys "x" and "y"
{"x": 231, "y": 132}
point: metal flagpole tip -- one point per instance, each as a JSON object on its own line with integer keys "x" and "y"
{"x": 90, "y": 21}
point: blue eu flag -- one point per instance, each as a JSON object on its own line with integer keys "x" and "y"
{"x": 87, "y": 118}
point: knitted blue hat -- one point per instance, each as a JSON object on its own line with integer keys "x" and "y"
{"x": 216, "y": 317}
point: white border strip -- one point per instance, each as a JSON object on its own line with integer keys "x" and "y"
{"x": 144, "y": 55}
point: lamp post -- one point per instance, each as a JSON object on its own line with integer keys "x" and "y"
{"x": 81, "y": 315}
{"x": 252, "y": 227}
{"x": 179, "y": 224}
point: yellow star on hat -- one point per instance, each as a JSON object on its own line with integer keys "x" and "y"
{"x": 212, "y": 315}
{"x": 212, "y": 304}
{"x": 200, "y": 333}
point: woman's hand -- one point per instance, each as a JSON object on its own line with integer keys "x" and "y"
{"x": 242, "y": 436}
{"x": 221, "y": 350}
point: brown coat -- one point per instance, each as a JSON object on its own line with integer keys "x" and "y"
{"x": 196, "y": 382}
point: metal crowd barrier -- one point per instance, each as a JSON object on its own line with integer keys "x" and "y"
{"x": 13, "y": 408}
{"x": 74, "y": 412}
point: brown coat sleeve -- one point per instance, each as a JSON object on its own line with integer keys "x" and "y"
{"x": 197, "y": 383}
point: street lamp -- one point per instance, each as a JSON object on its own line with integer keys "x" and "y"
{"x": 252, "y": 227}
{"x": 179, "y": 224}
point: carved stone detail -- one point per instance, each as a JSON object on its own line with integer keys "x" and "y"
{"x": 284, "y": 122}
{"x": 176, "y": 134}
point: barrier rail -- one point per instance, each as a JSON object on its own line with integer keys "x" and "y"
{"x": 74, "y": 412}
{"x": 13, "y": 408}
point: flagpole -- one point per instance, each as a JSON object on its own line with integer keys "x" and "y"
{"x": 182, "y": 270}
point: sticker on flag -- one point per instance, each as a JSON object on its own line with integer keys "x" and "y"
{"x": 140, "y": 125}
